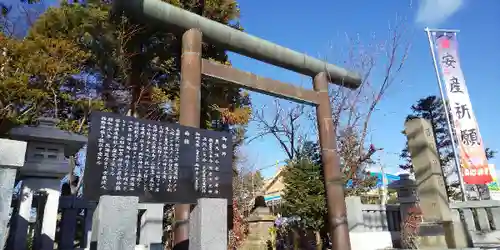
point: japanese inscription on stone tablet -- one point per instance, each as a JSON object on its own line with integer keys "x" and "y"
{"x": 207, "y": 173}
{"x": 156, "y": 161}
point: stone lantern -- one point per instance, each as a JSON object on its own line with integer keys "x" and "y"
{"x": 48, "y": 148}
{"x": 406, "y": 189}
{"x": 46, "y": 162}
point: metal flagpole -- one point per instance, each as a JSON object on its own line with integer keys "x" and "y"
{"x": 442, "y": 30}
{"x": 450, "y": 128}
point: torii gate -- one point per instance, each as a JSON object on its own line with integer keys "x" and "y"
{"x": 193, "y": 67}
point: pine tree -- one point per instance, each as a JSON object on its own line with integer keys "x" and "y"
{"x": 37, "y": 75}
{"x": 304, "y": 194}
{"x": 431, "y": 108}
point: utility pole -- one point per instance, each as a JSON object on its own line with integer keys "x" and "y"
{"x": 384, "y": 185}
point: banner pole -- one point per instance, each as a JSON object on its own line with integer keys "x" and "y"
{"x": 442, "y": 30}
{"x": 445, "y": 106}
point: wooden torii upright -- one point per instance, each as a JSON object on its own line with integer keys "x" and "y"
{"x": 195, "y": 29}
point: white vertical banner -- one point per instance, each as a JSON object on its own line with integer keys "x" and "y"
{"x": 473, "y": 161}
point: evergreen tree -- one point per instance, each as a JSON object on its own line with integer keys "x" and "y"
{"x": 37, "y": 75}
{"x": 107, "y": 78}
{"x": 431, "y": 108}
{"x": 304, "y": 193}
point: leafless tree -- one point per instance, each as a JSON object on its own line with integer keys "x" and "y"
{"x": 352, "y": 110}
{"x": 379, "y": 62}
{"x": 247, "y": 184}
{"x": 283, "y": 124}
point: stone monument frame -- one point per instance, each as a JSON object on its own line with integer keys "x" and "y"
{"x": 196, "y": 28}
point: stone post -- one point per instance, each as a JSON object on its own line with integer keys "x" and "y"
{"x": 208, "y": 225}
{"x": 354, "y": 214}
{"x": 437, "y": 228}
{"x": 50, "y": 212}
{"x": 428, "y": 174}
{"x": 11, "y": 157}
{"x": 19, "y": 232}
{"x": 151, "y": 225}
{"x": 114, "y": 224}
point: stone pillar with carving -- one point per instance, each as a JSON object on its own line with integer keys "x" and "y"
{"x": 437, "y": 228}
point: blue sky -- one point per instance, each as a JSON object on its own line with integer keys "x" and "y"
{"x": 311, "y": 28}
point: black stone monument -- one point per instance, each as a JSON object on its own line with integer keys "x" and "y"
{"x": 156, "y": 161}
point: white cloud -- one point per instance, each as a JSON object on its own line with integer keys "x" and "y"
{"x": 435, "y": 12}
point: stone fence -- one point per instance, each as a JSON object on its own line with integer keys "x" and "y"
{"x": 372, "y": 218}
{"x": 481, "y": 221}
{"x": 378, "y": 227}
{"x": 373, "y": 226}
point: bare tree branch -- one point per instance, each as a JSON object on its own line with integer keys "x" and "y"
{"x": 352, "y": 110}
{"x": 283, "y": 125}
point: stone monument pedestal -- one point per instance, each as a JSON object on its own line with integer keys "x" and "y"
{"x": 432, "y": 235}
{"x": 208, "y": 225}
{"x": 115, "y": 223}
{"x": 151, "y": 225}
